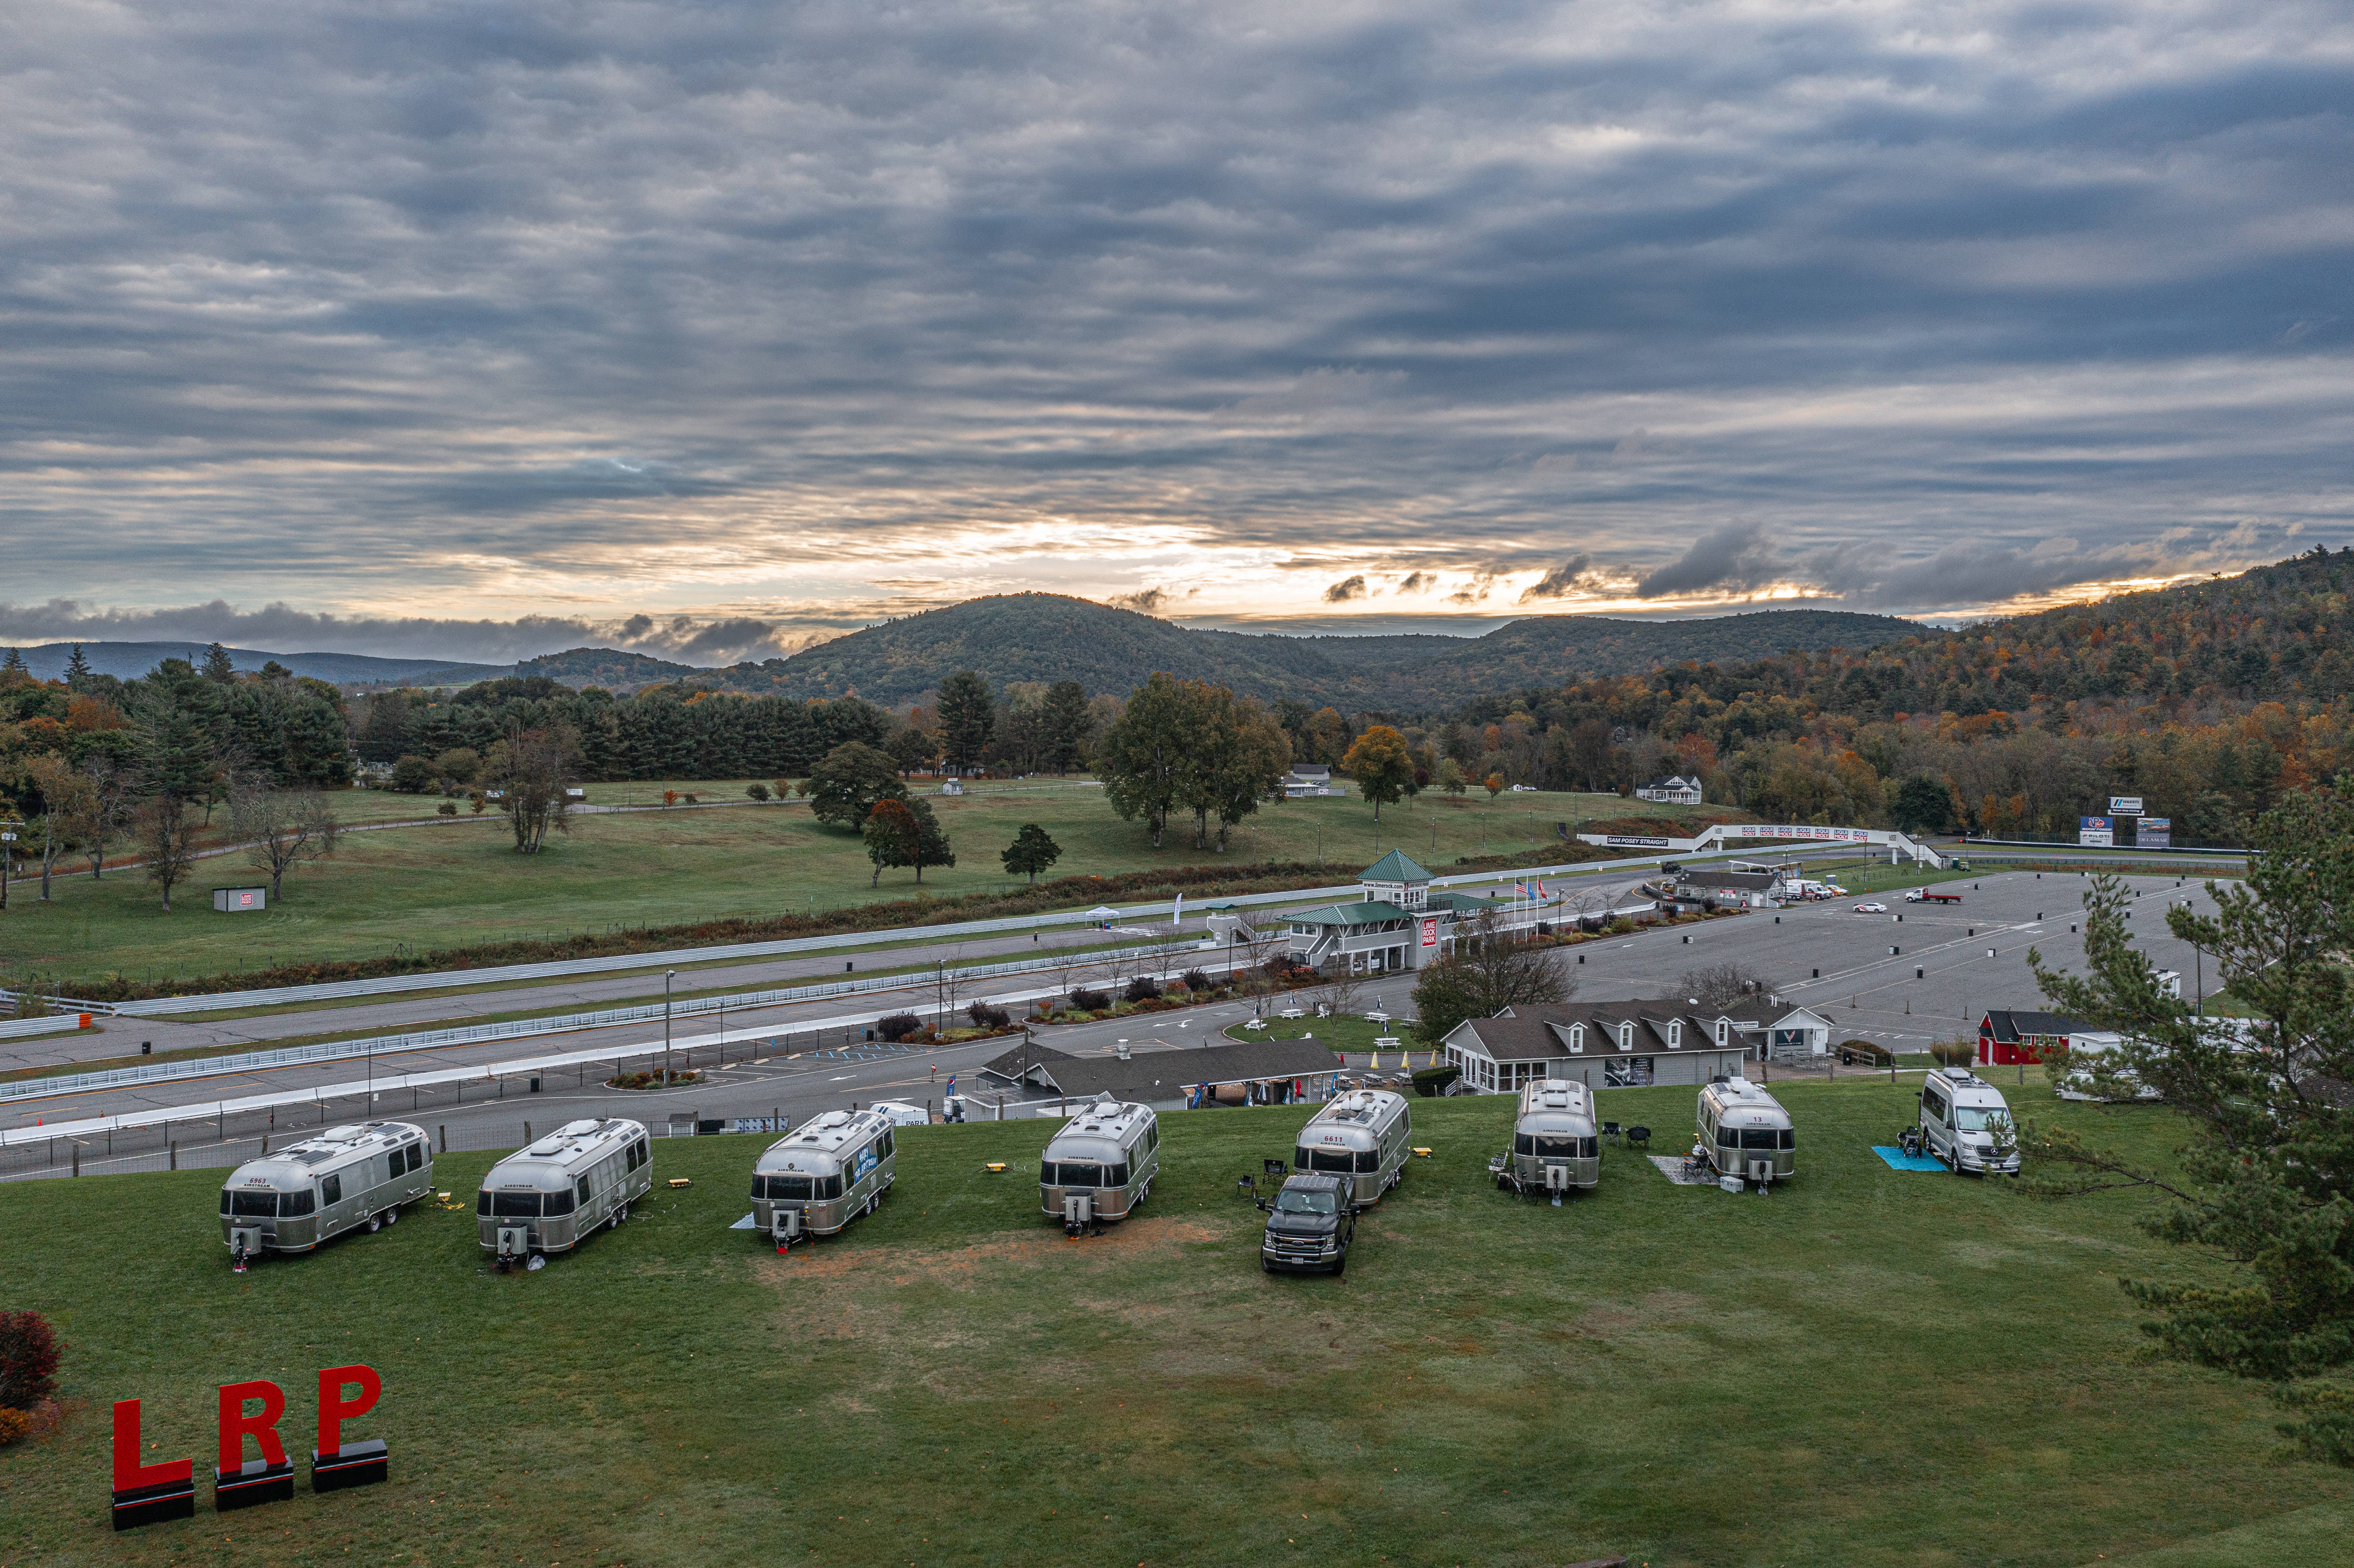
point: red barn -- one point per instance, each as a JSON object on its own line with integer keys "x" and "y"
{"x": 2007, "y": 1036}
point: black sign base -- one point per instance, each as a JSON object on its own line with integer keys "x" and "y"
{"x": 255, "y": 1481}
{"x": 135, "y": 1506}
{"x": 353, "y": 1464}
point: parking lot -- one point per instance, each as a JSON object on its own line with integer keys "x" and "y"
{"x": 1828, "y": 957}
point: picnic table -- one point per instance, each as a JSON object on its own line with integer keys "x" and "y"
{"x": 1255, "y": 1024}
{"x": 1292, "y": 1012}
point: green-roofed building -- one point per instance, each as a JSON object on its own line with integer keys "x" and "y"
{"x": 1395, "y": 923}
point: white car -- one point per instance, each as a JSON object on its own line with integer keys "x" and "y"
{"x": 902, "y": 1114}
{"x": 1871, "y": 908}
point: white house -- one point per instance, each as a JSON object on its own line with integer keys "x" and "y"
{"x": 1397, "y": 922}
{"x": 1603, "y": 1045}
{"x": 1308, "y": 780}
{"x": 1675, "y": 790}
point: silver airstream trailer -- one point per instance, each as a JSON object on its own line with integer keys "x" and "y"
{"x": 1745, "y": 1133}
{"x": 556, "y": 1193}
{"x": 827, "y": 1172}
{"x": 1555, "y": 1144}
{"x": 310, "y": 1192}
{"x": 1099, "y": 1165}
{"x": 1361, "y": 1134}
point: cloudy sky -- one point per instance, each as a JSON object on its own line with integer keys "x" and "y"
{"x": 483, "y": 327}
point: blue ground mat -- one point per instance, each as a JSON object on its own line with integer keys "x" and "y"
{"x": 1900, "y": 1161}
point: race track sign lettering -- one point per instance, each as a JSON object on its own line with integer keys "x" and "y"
{"x": 2155, "y": 832}
{"x": 1430, "y": 932}
{"x": 150, "y": 1493}
{"x": 2125, "y": 805}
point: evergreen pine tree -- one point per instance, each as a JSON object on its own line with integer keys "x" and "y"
{"x": 218, "y": 666}
{"x": 13, "y": 664}
{"x": 76, "y": 670}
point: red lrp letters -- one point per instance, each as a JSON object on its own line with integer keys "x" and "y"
{"x": 235, "y": 1424}
{"x": 129, "y": 1473}
{"x": 333, "y": 1407}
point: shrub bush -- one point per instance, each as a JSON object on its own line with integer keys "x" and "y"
{"x": 756, "y": 791}
{"x": 1430, "y": 1080}
{"x": 650, "y": 1080}
{"x": 1089, "y": 1001}
{"x": 1954, "y": 1052}
{"x": 1198, "y": 983}
{"x": 1143, "y": 988}
{"x": 987, "y": 1017}
{"x": 14, "y": 1424}
{"x": 412, "y": 776}
{"x": 1866, "y": 1050}
{"x": 898, "y": 1026}
{"x": 448, "y": 807}
{"x": 29, "y": 1354}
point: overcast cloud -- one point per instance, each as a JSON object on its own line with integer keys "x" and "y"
{"x": 477, "y": 330}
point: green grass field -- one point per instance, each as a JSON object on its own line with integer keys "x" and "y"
{"x": 450, "y": 883}
{"x": 1867, "y": 1368}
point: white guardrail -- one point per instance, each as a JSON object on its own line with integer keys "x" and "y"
{"x": 475, "y": 1034}
{"x": 560, "y": 968}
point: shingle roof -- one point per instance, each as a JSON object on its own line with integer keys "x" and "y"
{"x": 1368, "y": 912}
{"x": 1164, "y": 1075}
{"x": 2009, "y": 1026}
{"x": 1394, "y": 866}
{"x": 1540, "y": 1031}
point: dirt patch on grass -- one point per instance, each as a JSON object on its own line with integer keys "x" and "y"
{"x": 962, "y": 1266}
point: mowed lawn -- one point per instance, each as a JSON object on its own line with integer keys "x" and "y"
{"x": 1866, "y": 1367}
{"x": 450, "y": 883}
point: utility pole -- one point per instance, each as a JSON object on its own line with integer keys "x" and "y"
{"x": 667, "y": 976}
{"x": 8, "y": 830}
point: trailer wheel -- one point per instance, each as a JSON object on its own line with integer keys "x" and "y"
{"x": 392, "y": 1217}
{"x": 375, "y": 1225}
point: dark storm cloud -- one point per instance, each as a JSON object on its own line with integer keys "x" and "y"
{"x": 446, "y": 303}
{"x": 1735, "y": 559}
{"x": 1344, "y": 590}
{"x": 1562, "y": 580}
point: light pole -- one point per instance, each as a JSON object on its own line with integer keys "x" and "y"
{"x": 8, "y": 853}
{"x": 667, "y": 976}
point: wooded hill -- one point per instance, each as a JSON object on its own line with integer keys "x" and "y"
{"x": 1048, "y": 637}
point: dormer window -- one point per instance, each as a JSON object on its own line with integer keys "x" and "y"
{"x": 1675, "y": 1033}
{"x": 1577, "y": 1039}
{"x": 1724, "y": 1030}
{"x": 1625, "y": 1037}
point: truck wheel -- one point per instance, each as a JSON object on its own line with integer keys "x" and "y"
{"x": 1264, "y": 1265}
{"x": 1341, "y": 1265}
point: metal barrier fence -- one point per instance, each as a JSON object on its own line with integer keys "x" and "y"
{"x": 476, "y": 1034}
{"x": 210, "y": 1138}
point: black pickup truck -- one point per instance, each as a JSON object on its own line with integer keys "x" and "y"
{"x": 1309, "y": 1225}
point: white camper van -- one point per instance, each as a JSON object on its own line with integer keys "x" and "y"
{"x": 1967, "y": 1123}
{"x": 308, "y": 1193}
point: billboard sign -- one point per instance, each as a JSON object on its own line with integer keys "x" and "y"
{"x": 2125, "y": 805}
{"x": 1630, "y": 841}
{"x": 1430, "y": 931}
{"x": 2155, "y": 832}
{"x": 2098, "y": 833}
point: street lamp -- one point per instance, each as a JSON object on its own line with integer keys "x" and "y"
{"x": 667, "y": 976}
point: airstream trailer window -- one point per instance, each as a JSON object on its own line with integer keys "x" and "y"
{"x": 514, "y": 1206}
{"x": 331, "y": 1189}
{"x": 256, "y": 1205}
{"x": 1728, "y": 1137}
{"x": 294, "y": 1205}
{"x": 224, "y": 1200}
{"x": 1115, "y": 1175}
{"x": 828, "y": 1186}
{"x": 1368, "y": 1162}
{"x": 581, "y": 1189}
{"x": 638, "y": 1154}
{"x": 788, "y": 1187}
{"x": 483, "y": 1201}
{"x": 1789, "y": 1138}
{"x": 1337, "y": 1160}
{"x": 559, "y": 1204}
{"x": 1760, "y": 1137}
{"x": 1562, "y": 1146}
{"x": 416, "y": 1157}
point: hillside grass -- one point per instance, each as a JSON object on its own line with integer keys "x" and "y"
{"x": 1868, "y": 1367}
{"x": 446, "y": 885}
